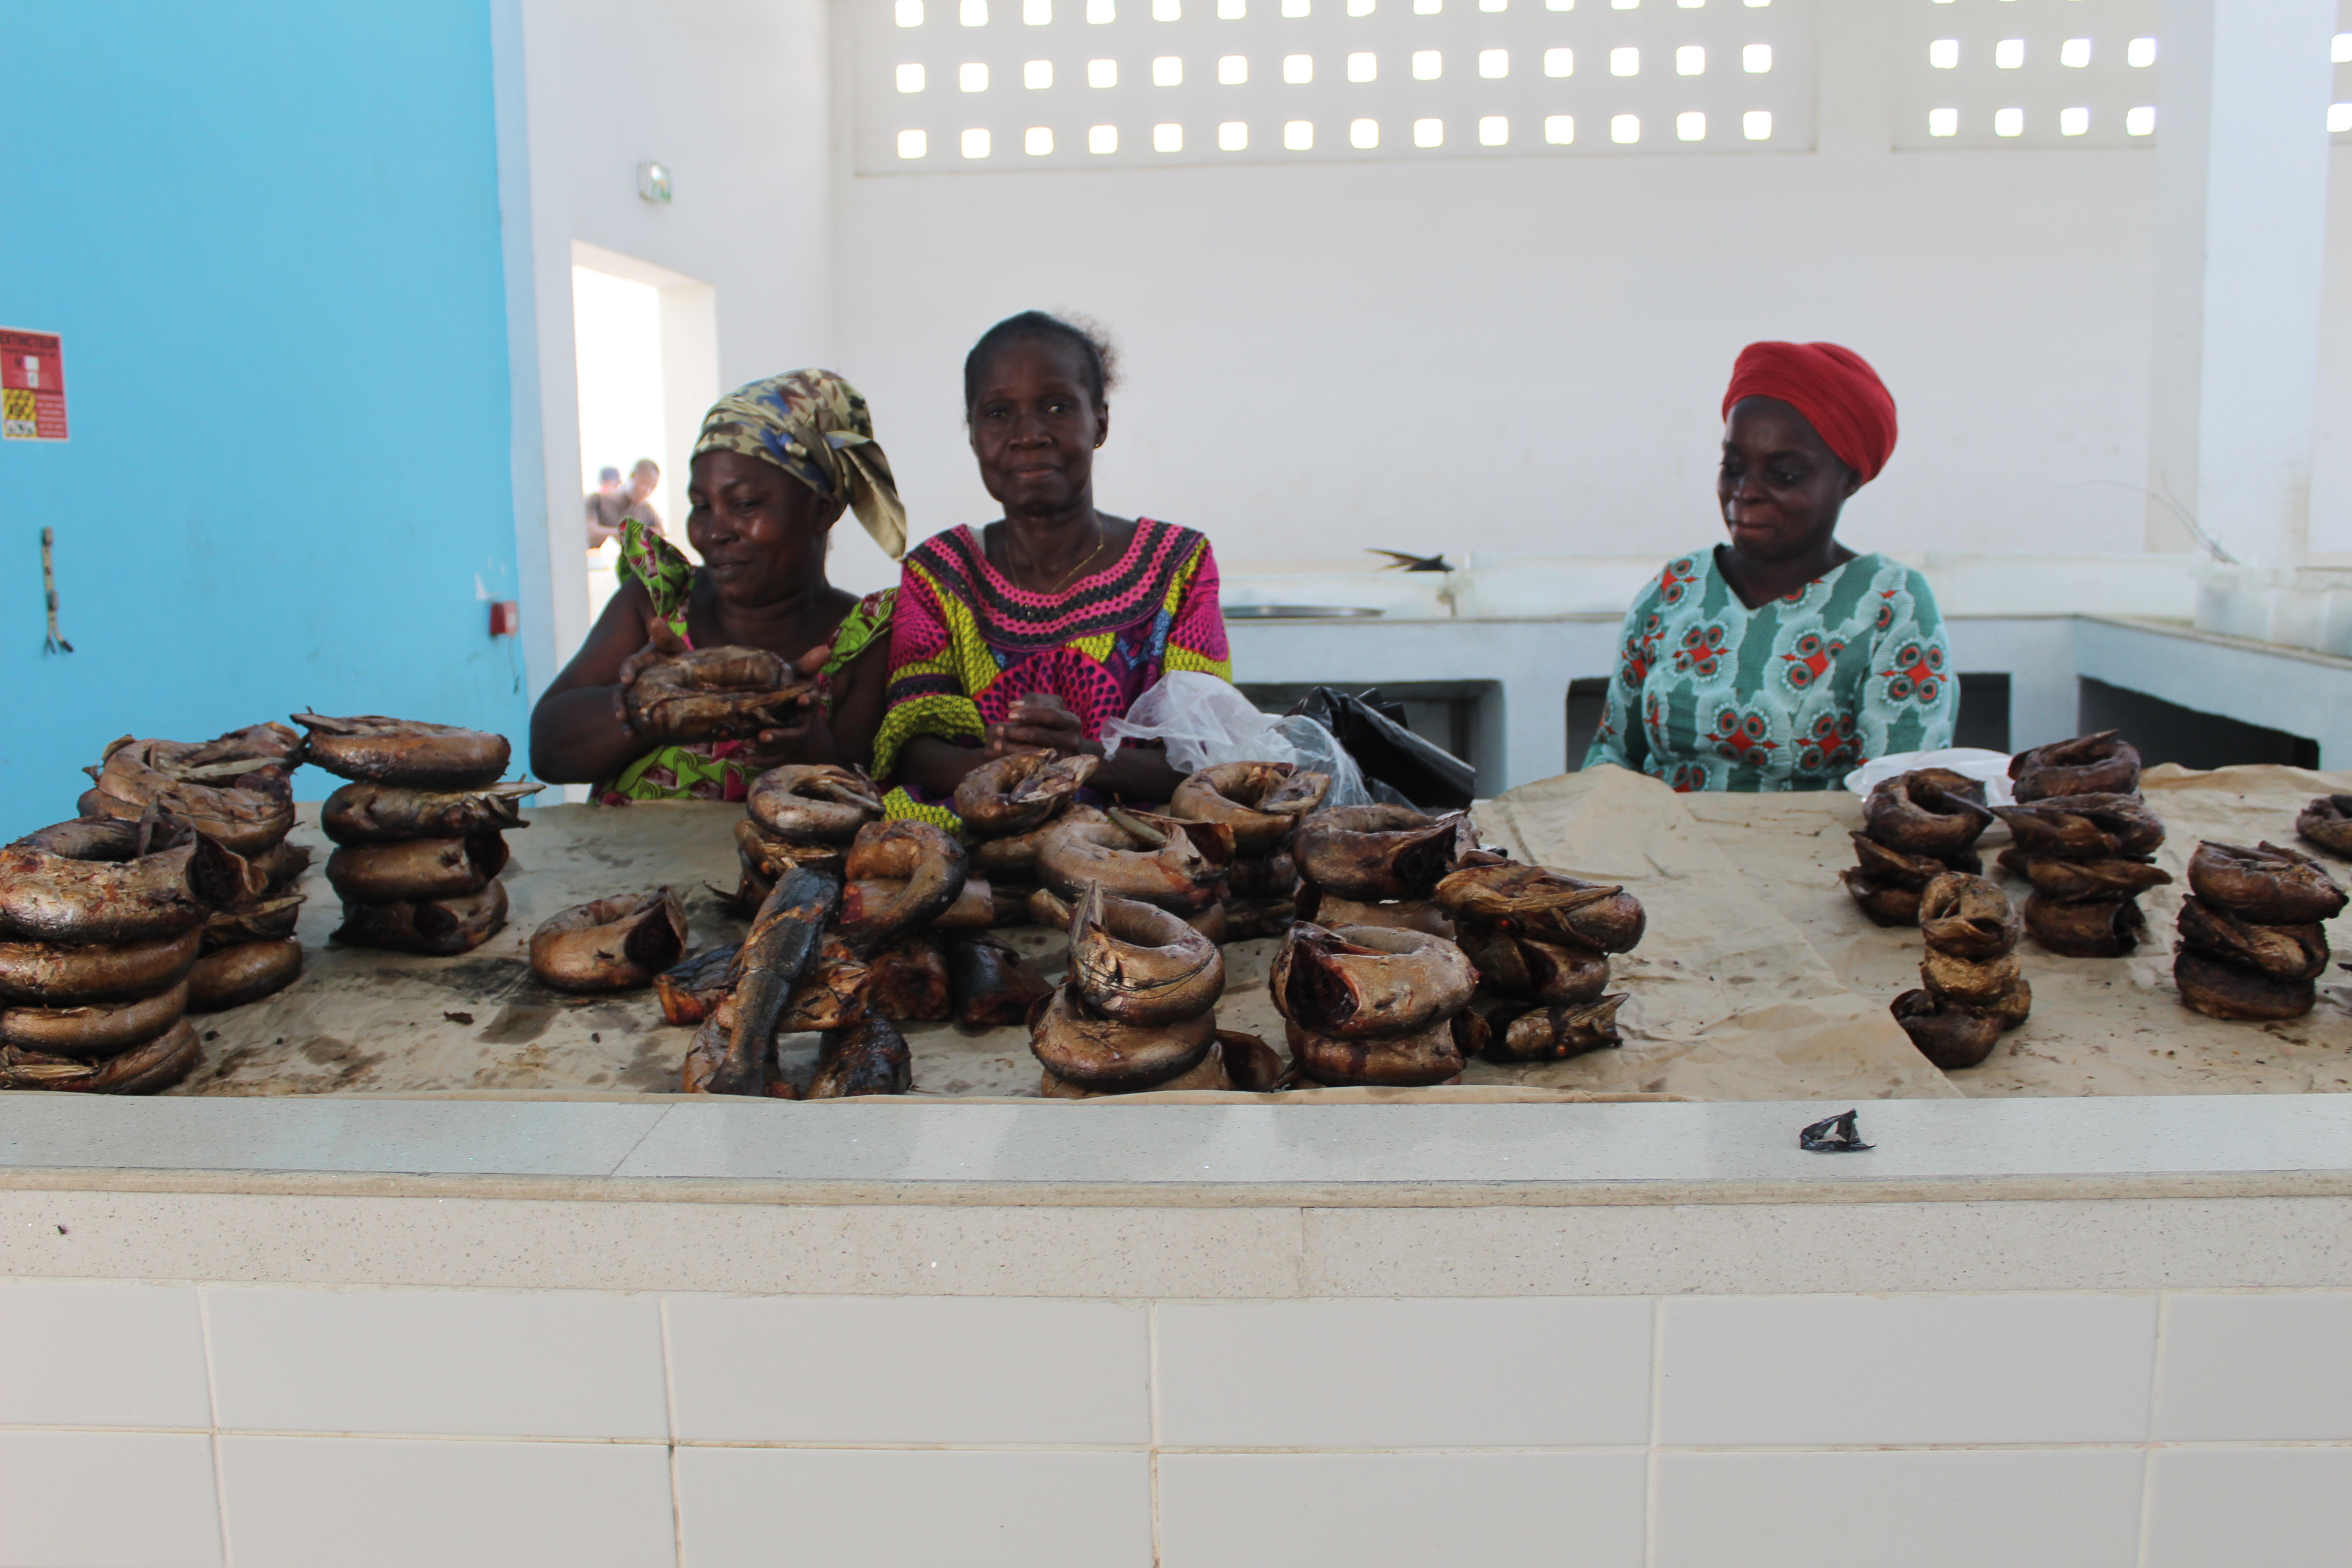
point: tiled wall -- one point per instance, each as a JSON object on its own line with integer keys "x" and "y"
{"x": 156, "y": 1426}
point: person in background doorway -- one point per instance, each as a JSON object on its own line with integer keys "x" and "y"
{"x": 1035, "y": 631}
{"x": 1781, "y": 660}
{"x": 605, "y": 504}
{"x": 644, "y": 479}
{"x": 776, "y": 465}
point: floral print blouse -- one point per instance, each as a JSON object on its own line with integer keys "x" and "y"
{"x": 1711, "y": 695}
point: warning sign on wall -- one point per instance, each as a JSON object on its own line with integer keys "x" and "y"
{"x": 32, "y": 387}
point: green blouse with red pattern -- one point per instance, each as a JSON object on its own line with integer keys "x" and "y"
{"x": 1709, "y": 694}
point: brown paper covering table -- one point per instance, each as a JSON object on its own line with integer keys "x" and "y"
{"x": 1758, "y": 978}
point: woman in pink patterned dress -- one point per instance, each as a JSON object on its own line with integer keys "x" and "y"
{"x": 1033, "y": 632}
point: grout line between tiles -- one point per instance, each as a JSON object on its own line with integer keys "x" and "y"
{"x": 2155, "y": 1405}
{"x": 670, "y": 1398}
{"x": 1657, "y": 1431}
{"x": 212, "y": 1411}
{"x": 1151, "y": 1374}
{"x": 2259, "y": 1445}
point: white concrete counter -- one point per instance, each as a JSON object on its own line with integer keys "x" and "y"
{"x": 2045, "y": 1331}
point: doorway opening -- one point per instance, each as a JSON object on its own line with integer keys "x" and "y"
{"x": 645, "y": 343}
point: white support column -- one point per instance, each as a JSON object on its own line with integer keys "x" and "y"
{"x": 2241, "y": 230}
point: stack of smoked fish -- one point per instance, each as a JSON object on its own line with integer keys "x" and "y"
{"x": 419, "y": 831}
{"x": 102, "y": 921}
{"x": 800, "y": 815}
{"x": 887, "y": 926}
{"x": 2252, "y": 941}
{"x": 1164, "y": 862}
{"x": 238, "y": 792}
{"x": 1139, "y": 1010}
{"x": 1540, "y": 942}
{"x": 830, "y": 819}
{"x": 1263, "y": 804}
{"x": 1917, "y": 826}
{"x": 796, "y": 972}
{"x": 1971, "y": 987}
{"x": 1378, "y": 866}
{"x": 2086, "y": 842}
{"x": 1374, "y": 1005}
{"x": 1007, "y": 806}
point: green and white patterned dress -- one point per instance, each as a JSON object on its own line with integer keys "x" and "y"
{"x": 1709, "y": 694}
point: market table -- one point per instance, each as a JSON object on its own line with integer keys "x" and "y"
{"x": 1758, "y": 978}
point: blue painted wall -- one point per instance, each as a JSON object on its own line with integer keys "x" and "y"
{"x": 268, "y": 231}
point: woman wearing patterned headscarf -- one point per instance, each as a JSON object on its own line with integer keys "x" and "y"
{"x": 777, "y": 463}
{"x": 1781, "y": 660}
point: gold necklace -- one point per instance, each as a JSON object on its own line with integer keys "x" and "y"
{"x": 1101, "y": 538}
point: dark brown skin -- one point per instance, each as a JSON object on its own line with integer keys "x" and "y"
{"x": 2103, "y": 764}
{"x": 2328, "y": 822}
{"x": 992, "y": 984}
{"x": 1931, "y": 811}
{"x": 761, "y": 535}
{"x": 689, "y": 991}
{"x": 1035, "y": 428}
{"x": 871, "y": 1058}
{"x": 1947, "y": 1034}
{"x": 782, "y": 945}
{"x": 246, "y": 972}
{"x": 909, "y": 981}
{"x": 1968, "y": 917}
{"x": 2222, "y": 990}
{"x": 1781, "y": 489}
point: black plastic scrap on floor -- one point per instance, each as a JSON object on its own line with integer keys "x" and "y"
{"x": 1834, "y": 1135}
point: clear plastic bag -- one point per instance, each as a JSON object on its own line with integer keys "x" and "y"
{"x": 1204, "y": 722}
{"x": 1993, "y": 767}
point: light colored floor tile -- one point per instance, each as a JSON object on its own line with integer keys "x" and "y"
{"x": 1406, "y": 1375}
{"x": 1400, "y": 1510}
{"x": 97, "y": 1353}
{"x": 860, "y": 1369}
{"x": 848, "y": 1508}
{"x": 1805, "y": 1370}
{"x": 2034, "y": 1508}
{"x": 2279, "y": 1508}
{"x": 548, "y": 1364}
{"x": 357, "y": 1502}
{"x": 2256, "y": 1367}
{"x": 107, "y": 1499}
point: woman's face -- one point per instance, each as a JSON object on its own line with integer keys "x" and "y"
{"x": 1035, "y": 426}
{"x": 759, "y": 531}
{"x": 1781, "y": 486}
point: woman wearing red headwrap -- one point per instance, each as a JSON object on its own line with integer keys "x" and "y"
{"x": 1780, "y": 660}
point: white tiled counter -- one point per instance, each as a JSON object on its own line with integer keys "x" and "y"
{"x": 359, "y": 1331}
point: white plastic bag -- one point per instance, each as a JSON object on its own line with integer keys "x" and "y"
{"x": 1204, "y": 722}
{"x": 1993, "y": 767}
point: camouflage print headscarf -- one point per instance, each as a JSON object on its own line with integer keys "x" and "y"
{"x": 815, "y": 427}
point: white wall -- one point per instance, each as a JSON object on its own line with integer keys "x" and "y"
{"x": 732, "y": 96}
{"x": 1528, "y": 355}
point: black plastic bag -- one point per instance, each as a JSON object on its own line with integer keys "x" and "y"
{"x": 1834, "y": 1135}
{"x": 1373, "y": 731}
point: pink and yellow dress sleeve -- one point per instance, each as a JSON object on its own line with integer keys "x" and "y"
{"x": 1196, "y": 633}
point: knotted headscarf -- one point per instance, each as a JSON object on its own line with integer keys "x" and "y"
{"x": 1834, "y": 389}
{"x": 815, "y": 427}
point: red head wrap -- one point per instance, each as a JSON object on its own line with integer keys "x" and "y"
{"x": 1833, "y": 387}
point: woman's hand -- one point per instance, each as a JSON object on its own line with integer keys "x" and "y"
{"x": 661, "y": 643}
{"x": 1040, "y": 722}
{"x": 805, "y": 736}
